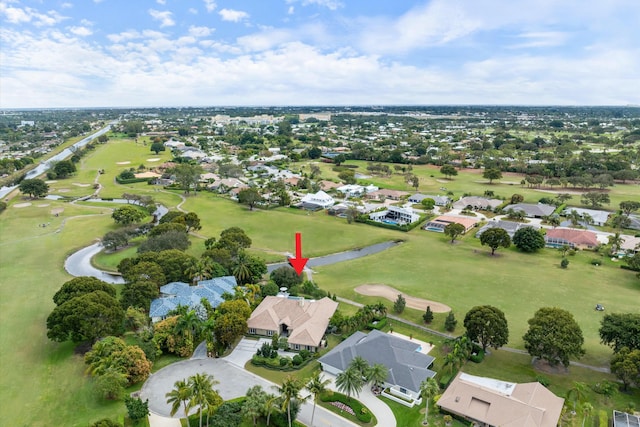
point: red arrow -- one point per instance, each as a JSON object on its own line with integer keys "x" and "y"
{"x": 298, "y": 262}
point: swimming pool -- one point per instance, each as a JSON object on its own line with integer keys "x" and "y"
{"x": 388, "y": 221}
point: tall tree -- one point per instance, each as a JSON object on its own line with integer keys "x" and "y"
{"x": 453, "y": 230}
{"x": 127, "y": 214}
{"x": 487, "y": 325}
{"x": 629, "y": 206}
{"x": 350, "y": 381}
{"x": 180, "y": 395}
{"x": 203, "y": 394}
{"x": 428, "y": 388}
{"x": 250, "y": 197}
{"x": 187, "y": 175}
{"x": 399, "y": 304}
{"x": 494, "y": 238}
{"x": 595, "y": 199}
{"x": 290, "y": 391}
{"x": 492, "y": 174}
{"x": 448, "y": 171}
{"x": 316, "y": 386}
{"x": 528, "y": 239}
{"x": 34, "y": 187}
{"x": 554, "y": 336}
{"x": 79, "y": 286}
{"x": 378, "y": 374}
{"x": 577, "y": 393}
{"x": 619, "y": 330}
{"x": 625, "y": 365}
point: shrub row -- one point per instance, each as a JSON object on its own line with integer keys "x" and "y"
{"x": 131, "y": 181}
{"x": 283, "y": 364}
{"x": 378, "y": 325}
{"x": 362, "y": 413}
{"x": 478, "y": 357}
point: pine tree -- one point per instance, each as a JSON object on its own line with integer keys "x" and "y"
{"x": 428, "y": 315}
{"x": 400, "y": 304}
{"x": 450, "y": 322}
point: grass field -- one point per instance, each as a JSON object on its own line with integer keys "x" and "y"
{"x": 43, "y": 383}
{"x": 468, "y": 181}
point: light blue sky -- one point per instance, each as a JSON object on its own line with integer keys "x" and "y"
{"x": 83, "y": 53}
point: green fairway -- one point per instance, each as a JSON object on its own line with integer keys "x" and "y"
{"x": 43, "y": 383}
{"x": 464, "y": 275}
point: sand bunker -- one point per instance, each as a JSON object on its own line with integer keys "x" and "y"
{"x": 444, "y": 181}
{"x": 81, "y": 185}
{"x": 392, "y": 294}
{"x": 63, "y": 190}
{"x": 53, "y": 181}
{"x": 58, "y": 211}
{"x": 22, "y": 205}
{"x": 122, "y": 163}
{"x": 42, "y": 205}
{"x": 155, "y": 159}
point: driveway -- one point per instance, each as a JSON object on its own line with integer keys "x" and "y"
{"x": 234, "y": 382}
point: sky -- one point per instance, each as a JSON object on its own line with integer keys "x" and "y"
{"x": 146, "y": 53}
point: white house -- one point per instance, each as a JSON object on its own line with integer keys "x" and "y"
{"x": 320, "y": 198}
{"x": 396, "y": 215}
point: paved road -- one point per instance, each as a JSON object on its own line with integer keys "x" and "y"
{"x": 79, "y": 264}
{"x": 234, "y": 382}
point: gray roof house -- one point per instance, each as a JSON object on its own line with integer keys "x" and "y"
{"x": 178, "y": 293}
{"x": 598, "y": 217}
{"x": 530, "y": 210}
{"x": 509, "y": 226}
{"x": 440, "y": 200}
{"x": 476, "y": 202}
{"x": 408, "y": 367}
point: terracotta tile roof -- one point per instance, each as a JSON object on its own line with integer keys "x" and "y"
{"x": 500, "y": 403}
{"x": 306, "y": 320}
{"x": 577, "y": 237}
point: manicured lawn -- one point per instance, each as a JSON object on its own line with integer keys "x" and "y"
{"x": 464, "y": 275}
{"x": 410, "y": 417}
{"x": 467, "y": 181}
{"x": 43, "y": 383}
{"x": 274, "y": 230}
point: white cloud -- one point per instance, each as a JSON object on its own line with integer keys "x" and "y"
{"x": 291, "y": 10}
{"x": 210, "y": 5}
{"x": 329, "y": 4}
{"x": 66, "y": 5}
{"x": 16, "y": 15}
{"x": 233, "y": 15}
{"x": 196, "y": 31}
{"x": 162, "y": 2}
{"x": 541, "y": 39}
{"x": 81, "y": 31}
{"x": 193, "y": 11}
{"x": 164, "y": 17}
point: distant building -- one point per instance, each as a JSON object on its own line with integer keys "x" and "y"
{"x": 597, "y": 217}
{"x": 395, "y": 215}
{"x": 319, "y": 200}
{"x": 438, "y": 224}
{"x": 474, "y": 202}
{"x": 439, "y": 200}
{"x": 531, "y": 210}
{"x": 577, "y": 239}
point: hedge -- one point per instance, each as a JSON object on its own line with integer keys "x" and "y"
{"x": 446, "y": 379}
{"x": 405, "y": 228}
{"x": 478, "y": 357}
{"x": 274, "y": 364}
{"x": 378, "y": 325}
{"x": 131, "y": 181}
{"x": 362, "y": 412}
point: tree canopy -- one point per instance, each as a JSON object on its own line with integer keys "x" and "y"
{"x": 86, "y": 318}
{"x": 82, "y": 285}
{"x": 127, "y": 214}
{"x": 285, "y": 277}
{"x": 453, "y": 230}
{"x": 34, "y": 187}
{"x": 528, "y": 239}
{"x": 487, "y": 325}
{"x": 448, "y": 171}
{"x": 250, "y": 197}
{"x": 491, "y": 174}
{"x": 554, "y": 336}
{"x": 495, "y": 238}
{"x": 619, "y": 330}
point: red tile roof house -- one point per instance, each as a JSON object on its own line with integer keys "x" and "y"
{"x": 302, "y": 322}
{"x": 577, "y": 239}
{"x": 494, "y": 403}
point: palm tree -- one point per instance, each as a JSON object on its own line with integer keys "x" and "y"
{"x": 254, "y": 404}
{"x": 199, "y": 270}
{"x": 212, "y": 402}
{"x": 350, "y": 381}
{"x": 202, "y": 392}
{"x": 378, "y": 374}
{"x": 578, "y": 392}
{"x": 587, "y": 410}
{"x": 269, "y": 405}
{"x": 180, "y": 394}
{"x": 316, "y": 386}
{"x": 361, "y": 365}
{"x": 242, "y": 272}
{"x": 554, "y": 220}
{"x": 615, "y": 241}
{"x": 189, "y": 325}
{"x": 574, "y": 217}
{"x": 452, "y": 360}
{"x": 428, "y": 388}
{"x": 290, "y": 390}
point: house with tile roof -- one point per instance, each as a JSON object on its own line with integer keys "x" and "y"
{"x": 494, "y": 403}
{"x": 577, "y": 239}
{"x": 438, "y": 224}
{"x": 408, "y": 366}
{"x": 176, "y": 294}
{"x": 303, "y": 322}
{"x": 531, "y": 210}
